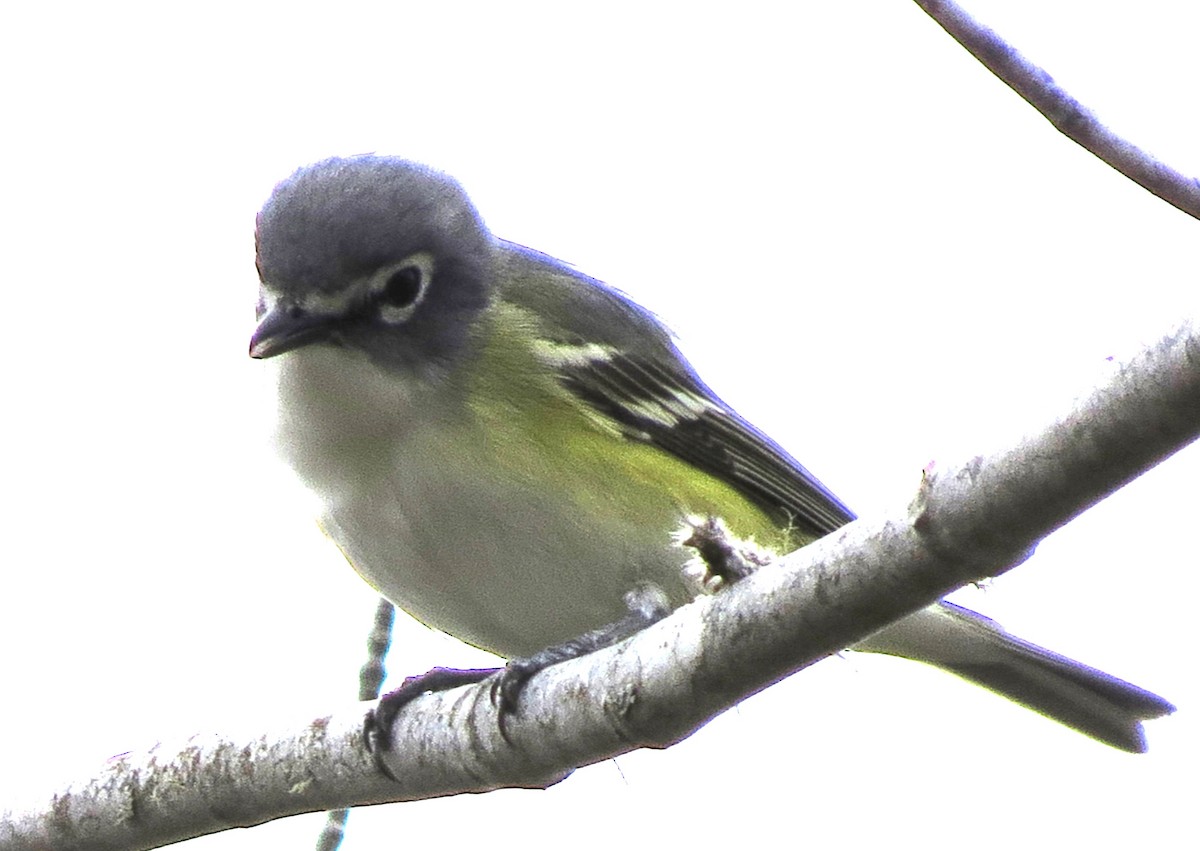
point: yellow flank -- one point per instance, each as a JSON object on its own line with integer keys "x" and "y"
{"x": 541, "y": 433}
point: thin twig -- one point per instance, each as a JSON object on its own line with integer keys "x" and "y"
{"x": 1069, "y": 117}
{"x": 370, "y": 680}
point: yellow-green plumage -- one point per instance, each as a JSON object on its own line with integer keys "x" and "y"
{"x": 550, "y": 438}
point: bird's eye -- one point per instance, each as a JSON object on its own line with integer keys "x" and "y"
{"x": 397, "y": 289}
{"x": 402, "y": 288}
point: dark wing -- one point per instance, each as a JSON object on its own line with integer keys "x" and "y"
{"x": 672, "y": 409}
{"x": 619, "y": 359}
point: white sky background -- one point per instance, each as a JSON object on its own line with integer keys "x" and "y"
{"x": 867, "y": 244}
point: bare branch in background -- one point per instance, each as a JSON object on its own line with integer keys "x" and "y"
{"x": 1070, "y": 117}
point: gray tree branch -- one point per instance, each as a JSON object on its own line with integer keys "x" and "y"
{"x": 1069, "y": 117}
{"x": 660, "y": 686}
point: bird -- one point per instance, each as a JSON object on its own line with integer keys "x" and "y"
{"x": 502, "y": 445}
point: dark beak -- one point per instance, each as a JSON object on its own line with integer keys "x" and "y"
{"x": 286, "y": 327}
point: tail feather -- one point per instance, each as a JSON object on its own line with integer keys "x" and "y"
{"x": 978, "y": 649}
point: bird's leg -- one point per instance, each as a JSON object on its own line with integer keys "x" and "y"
{"x": 378, "y": 726}
{"x": 724, "y": 560}
{"x": 645, "y": 605}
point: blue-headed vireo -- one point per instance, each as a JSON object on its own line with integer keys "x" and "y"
{"x": 503, "y": 446}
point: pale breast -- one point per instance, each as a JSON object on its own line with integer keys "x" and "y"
{"x": 418, "y": 498}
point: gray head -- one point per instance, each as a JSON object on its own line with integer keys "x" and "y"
{"x": 372, "y": 253}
